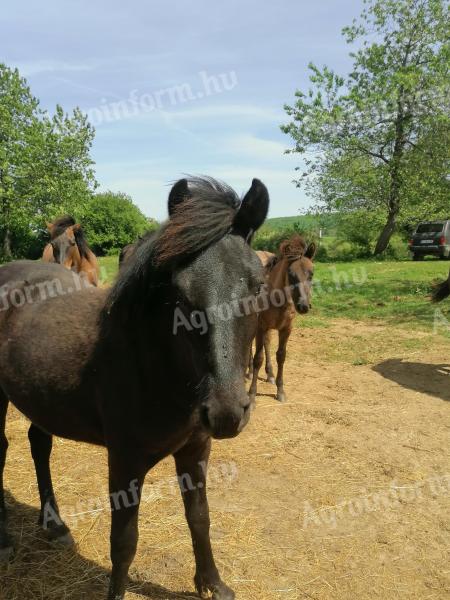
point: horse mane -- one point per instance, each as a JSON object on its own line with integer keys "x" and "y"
{"x": 294, "y": 247}
{"x": 81, "y": 241}
{"x": 60, "y": 225}
{"x": 198, "y": 222}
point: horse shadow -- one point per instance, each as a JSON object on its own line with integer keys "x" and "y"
{"x": 40, "y": 569}
{"x": 420, "y": 377}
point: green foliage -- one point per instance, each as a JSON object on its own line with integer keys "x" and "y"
{"x": 111, "y": 221}
{"x": 45, "y": 165}
{"x": 378, "y": 139}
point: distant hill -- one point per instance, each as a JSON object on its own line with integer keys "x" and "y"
{"x": 326, "y": 221}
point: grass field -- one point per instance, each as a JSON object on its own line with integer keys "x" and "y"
{"x": 389, "y": 291}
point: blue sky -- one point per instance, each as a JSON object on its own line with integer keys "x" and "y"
{"x": 93, "y": 54}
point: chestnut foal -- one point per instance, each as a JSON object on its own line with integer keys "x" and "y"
{"x": 289, "y": 276}
{"x": 68, "y": 247}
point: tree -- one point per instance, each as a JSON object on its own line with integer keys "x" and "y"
{"x": 111, "y": 221}
{"x": 19, "y": 113}
{"x": 368, "y": 138}
{"x": 45, "y": 163}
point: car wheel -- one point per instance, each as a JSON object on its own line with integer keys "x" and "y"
{"x": 417, "y": 256}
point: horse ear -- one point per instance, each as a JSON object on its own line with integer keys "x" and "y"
{"x": 253, "y": 210}
{"x": 311, "y": 251}
{"x": 49, "y": 226}
{"x": 76, "y": 227}
{"x": 285, "y": 248}
{"x": 178, "y": 194}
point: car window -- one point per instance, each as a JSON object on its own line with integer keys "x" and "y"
{"x": 430, "y": 228}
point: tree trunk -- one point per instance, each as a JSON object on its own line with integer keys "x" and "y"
{"x": 386, "y": 234}
{"x": 7, "y": 252}
{"x": 395, "y": 177}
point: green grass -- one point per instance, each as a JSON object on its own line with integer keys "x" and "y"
{"x": 394, "y": 292}
{"x": 389, "y": 291}
{"x": 108, "y": 268}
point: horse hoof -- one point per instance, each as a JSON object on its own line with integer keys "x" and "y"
{"x": 281, "y": 397}
{"x": 65, "y": 540}
{"x": 219, "y": 590}
{"x": 271, "y": 380}
{"x": 223, "y": 593}
{"x": 6, "y": 554}
{"x": 60, "y": 536}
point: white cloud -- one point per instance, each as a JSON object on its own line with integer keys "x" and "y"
{"x": 233, "y": 111}
{"x": 255, "y": 147}
{"x": 51, "y": 66}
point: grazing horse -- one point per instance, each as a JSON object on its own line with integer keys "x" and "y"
{"x": 288, "y": 290}
{"x": 134, "y": 375}
{"x": 441, "y": 291}
{"x": 68, "y": 247}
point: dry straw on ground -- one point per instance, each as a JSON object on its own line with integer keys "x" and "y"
{"x": 358, "y": 421}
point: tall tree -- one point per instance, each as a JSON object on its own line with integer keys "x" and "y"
{"x": 19, "y": 113}
{"x": 45, "y": 162}
{"x": 360, "y": 135}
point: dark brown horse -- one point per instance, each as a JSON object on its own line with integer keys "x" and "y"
{"x": 68, "y": 246}
{"x": 288, "y": 291}
{"x": 134, "y": 375}
{"x": 441, "y": 291}
{"x": 128, "y": 251}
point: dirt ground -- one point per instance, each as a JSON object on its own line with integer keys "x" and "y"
{"x": 341, "y": 493}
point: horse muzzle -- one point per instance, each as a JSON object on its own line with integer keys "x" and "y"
{"x": 224, "y": 416}
{"x": 302, "y": 308}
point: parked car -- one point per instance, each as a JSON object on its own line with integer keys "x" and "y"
{"x": 431, "y": 238}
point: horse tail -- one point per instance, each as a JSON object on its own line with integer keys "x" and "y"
{"x": 441, "y": 291}
{"x": 81, "y": 241}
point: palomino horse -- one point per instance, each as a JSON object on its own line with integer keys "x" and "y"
{"x": 68, "y": 247}
{"x": 442, "y": 290}
{"x": 288, "y": 290}
{"x": 134, "y": 375}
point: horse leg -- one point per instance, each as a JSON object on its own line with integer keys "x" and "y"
{"x": 125, "y": 485}
{"x": 257, "y": 364}
{"x": 41, "y": 448}
{"x": 269, "y": 367}
{"x": 191, "y": 464}
{"x": 283, "y": 336}
{"x": 6, "y": 548}
{"x": 250, "y": 363}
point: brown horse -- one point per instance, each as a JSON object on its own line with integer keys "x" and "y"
{"x": 135, "y": 375}
{"x": 68, "y": 247}
{"x": 441, "y": 291}
{"x": 128, "y": 251}
{"x": 289, "y": 278}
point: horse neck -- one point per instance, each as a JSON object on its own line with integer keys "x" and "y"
{"x": 75, "y": 257}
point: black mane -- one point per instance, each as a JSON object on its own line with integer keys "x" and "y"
{"x": 60, "y": 225}
{"x": 81, "y": 241}
{"x": 201, "y": 220}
